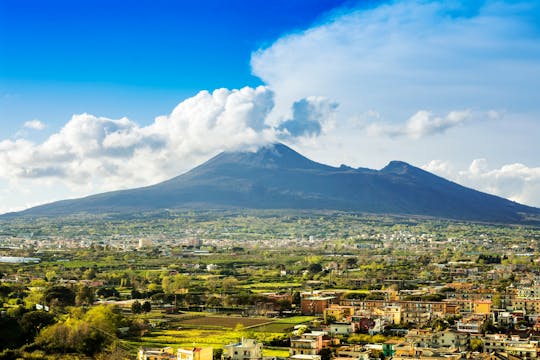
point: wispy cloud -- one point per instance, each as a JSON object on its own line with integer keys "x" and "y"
{"x": 421, "y": 124}
{"x": 34, "y": 125}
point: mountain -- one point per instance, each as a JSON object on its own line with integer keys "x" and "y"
{"x": 277, "y": 177}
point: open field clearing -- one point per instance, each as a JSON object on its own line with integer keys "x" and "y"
{"x": 200, "y": 337}
{"x": 273, "y": 285}
{"x": 282, "y": 325}
{"x": 188, "y": 337}
{"x": 223, "y": 322}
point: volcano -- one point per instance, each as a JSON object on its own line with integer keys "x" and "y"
{"x": 277, "y": 177}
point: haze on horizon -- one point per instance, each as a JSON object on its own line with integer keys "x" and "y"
{"x": 103, "y": 97}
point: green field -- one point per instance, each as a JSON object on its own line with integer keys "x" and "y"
{"x": 273, "y": 285}
{"x": 229, "y": 322}
{"x": 199, "y": 337}
{"x": 217, "y": 331}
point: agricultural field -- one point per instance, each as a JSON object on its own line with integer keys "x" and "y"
{"x": 216, "y": 338}
{"x": 272, "y": 285}
{"x": 229, "y": 322}
{"x": 283, "y": 325}
{"x": 217, "y": 331}
{"x": 188, "y": 337}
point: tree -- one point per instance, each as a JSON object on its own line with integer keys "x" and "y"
{"x": 60, "y": 296}
{"x": 4, "y": 292}
{"x": 171, "y": 284}
{"x": 135, "y": 294}
{"x": 350, "y": 262}
{"x": 217, "y": 355}
{"x": 297, "y": 298}
{"x": 35, "y": 296}
{"x": 105, "y": 317}
{"x": 50, "y": 275}
{"x": 326, "y": 354}
{"x": 497, "y": 301}
{"x": 439, "y": 324}
{"x": 136, "y": 307}
{"x": 85, "y": 296}
{"x": 315, "y": 268}
{"x": 476, "y": 345}
{"x": 146, "y": 306}
{"x": 32, "y": 322}
{"x": 73, "y": 335}
{"x": 107, "y": 292}
{"x": 229, "y": 283}
{"x": 89, "y": 274}
{"x": 10, "y": 333}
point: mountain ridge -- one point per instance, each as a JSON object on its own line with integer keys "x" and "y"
{"x": 277, "y": 177}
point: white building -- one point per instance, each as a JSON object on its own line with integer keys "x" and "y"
{"x": 205, "y": 353}
{"x": 247, "y": 349}
{"x": 145, "y": 243}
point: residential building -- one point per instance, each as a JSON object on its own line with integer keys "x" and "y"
{"x": 529, "y": 306}
{"x": 309, "y": 343}
{"x": 166, "y": 353}
{"x": 523, "y": 348}
{"x": 471, "y": 324}
{"x": 315, "y": 305}
{"x": 352, "y": 352}
{"x": 341, "y": 328}
{"x": 247, "y": 349}
{"x": 482, "y": 306}
{"x": 407, "y": 351}
{"x": 205, "y": 353}
{"x": 437, "y": 339}
{"x": 338, "y": 312}
{"x": 304, "y": 357}
{"x": 413, "y": 312}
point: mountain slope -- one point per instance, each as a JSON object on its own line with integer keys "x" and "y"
{"x": 277, "y": 177}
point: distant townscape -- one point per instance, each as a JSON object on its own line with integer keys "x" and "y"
{"x": 264, "y": 284}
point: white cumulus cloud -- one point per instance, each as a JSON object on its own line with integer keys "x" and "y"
{"x": 421, "y": 124}
{"x": 92, "y": 154}
{"x": 399, "y": 57}
{"x": 309, "y": 116}
{"x": 399, "y": 71}
{"x": 34, "y": 124}
{"x": 516, "y": 182}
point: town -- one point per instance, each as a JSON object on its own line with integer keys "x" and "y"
{"x": 251, "y": 285}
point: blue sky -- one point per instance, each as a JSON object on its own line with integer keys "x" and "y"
{"x": 102, "y": 95}
{"x": 132, "y": 58}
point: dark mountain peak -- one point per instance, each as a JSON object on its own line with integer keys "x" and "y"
{"x": 271, "y": 156}
{"x": 397, "y": 167}
{"x": 405, "y": 170}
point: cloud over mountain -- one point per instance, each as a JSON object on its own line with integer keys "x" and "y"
{"x": 91, "y": 153}
{"x": 309, "y": 116}
{"x": 423, "y": 79}
{"x": 415, "y": 80}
